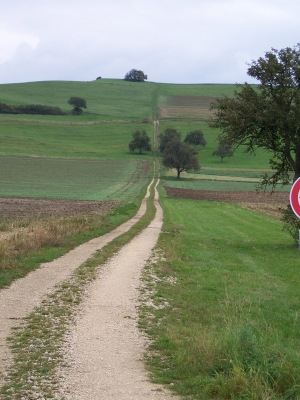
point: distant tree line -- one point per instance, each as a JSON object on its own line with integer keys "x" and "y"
{"x": 30, "y": 109}
{"x": 178, "y": 155}
{"x": 78, "y": 104}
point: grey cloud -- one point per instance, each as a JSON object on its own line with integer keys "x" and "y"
{"x": 189, "y": 41}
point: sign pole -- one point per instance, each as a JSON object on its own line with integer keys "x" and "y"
{"x": 295, "y": 202}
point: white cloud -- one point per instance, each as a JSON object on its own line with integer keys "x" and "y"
{"x": 10, "y": 41}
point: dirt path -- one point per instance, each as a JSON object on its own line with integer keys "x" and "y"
{"x": 104, "y": 350}
{"x": 24, "y": 295}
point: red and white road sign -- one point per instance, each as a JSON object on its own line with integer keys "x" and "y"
{"x": 295, "y": 197}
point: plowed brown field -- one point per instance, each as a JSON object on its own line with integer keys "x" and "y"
{"x": 251, "y": 197}
{"x": 187, "y": 107}
{"x": 13, "y": 208}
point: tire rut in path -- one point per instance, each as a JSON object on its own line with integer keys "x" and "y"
{"x": 104, "y": 349}
{"x": 24, "y": 295}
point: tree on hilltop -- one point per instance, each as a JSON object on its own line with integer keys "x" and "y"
{"x": 135, "y": 76}
{"x": 140, "y": 141}
{"x": 78, "y": 104}
{"x": 267, "y": 116}
{"x": 196, "y": 138}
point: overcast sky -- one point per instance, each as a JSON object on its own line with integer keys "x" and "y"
{"x": 174, "y": 41}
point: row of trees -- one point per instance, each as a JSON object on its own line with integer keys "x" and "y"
{"x": 78, "y": 104}
{"x": 176, "y": 154}
{"x": 179, "y": 155}
{"x": 37, "y": 109}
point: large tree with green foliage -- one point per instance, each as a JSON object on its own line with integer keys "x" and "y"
{"x": 180, "y": 156}
{"x": 267, "y": 116}
{"x": 135, "y": 76}
{"x": 168, "y": 135}
{"x": 224, "y": 149}
{"x": 140, "y": 141}
{"x": 78, "y": 104}
{"x": 195, "y": 138}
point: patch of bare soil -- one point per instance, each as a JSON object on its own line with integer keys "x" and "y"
{"x": 262, "y": 202}
{"x": 185, "y": 112}
{"x": 16, "y": 208}
{"x": 187, "y": 107}
{"x": 191, "y": 101}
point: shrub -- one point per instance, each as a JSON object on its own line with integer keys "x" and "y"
{"x": 30, "y": 109}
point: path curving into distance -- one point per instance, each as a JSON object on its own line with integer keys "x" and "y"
{"x": 104, "y": 349}
{"x": 25, "y": 294}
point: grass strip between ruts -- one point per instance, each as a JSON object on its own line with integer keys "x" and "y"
{"x": 36, "y": 344}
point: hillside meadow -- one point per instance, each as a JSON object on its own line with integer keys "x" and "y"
{"x": 225, "y": 321}
{"x": 224, "y": 311}
{"x": 115, "y": 110}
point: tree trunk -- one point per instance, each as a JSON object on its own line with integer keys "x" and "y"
{"x": 178, "y": 173}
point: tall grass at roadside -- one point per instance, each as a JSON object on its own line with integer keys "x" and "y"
{"x": 225, "y": 322}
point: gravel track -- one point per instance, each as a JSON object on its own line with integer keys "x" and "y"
{"x": 20, "y": 299}
{"x": 104, "y": 349}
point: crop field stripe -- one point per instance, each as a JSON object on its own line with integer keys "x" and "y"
{"x": 73, "y": 179}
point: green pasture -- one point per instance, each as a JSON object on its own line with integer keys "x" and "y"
{"x": 226, "y": 323}
{"x": 106, "y": 99}
{"x": 214, "y": 90}
{"x": 239, "y": 161}
{"x": 217, "y": 185}
{"x": 62, "y": 140}
{"x": 73, "y": 178}
{"x": 116, "y": 109}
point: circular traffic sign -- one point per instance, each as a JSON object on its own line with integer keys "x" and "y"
{"x": 295, "y": 197}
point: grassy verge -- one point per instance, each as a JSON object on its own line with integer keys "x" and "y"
{"x": 36, "y": 345}
{"x": 225, "y": 306}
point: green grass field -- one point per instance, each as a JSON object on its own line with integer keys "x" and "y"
{"x": 106, "y": 99}
{"x": 105, "y": 141}
{"x": 71, "y": 178}
{"x": 116, "y": 109}
{"x": 226, "y": 323}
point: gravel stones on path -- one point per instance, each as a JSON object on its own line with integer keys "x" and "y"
{"x": 104, "y": 350}
{"x": 20, "y": 299}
